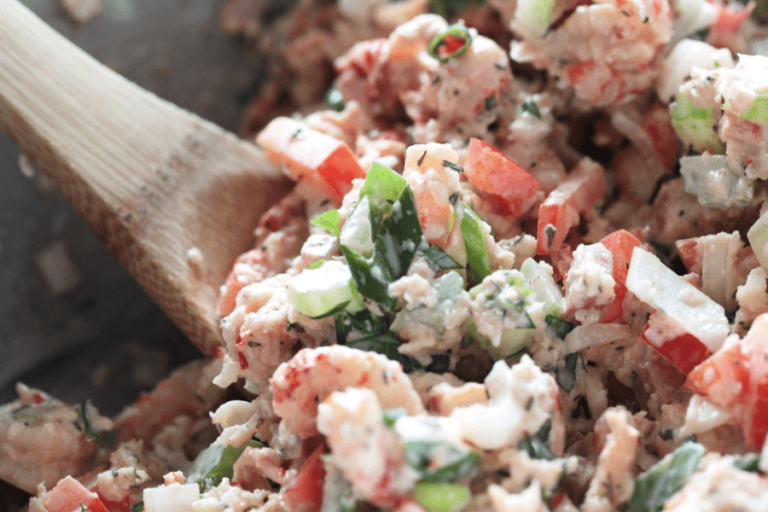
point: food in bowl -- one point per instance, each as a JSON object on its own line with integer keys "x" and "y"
{"x": 523, "y": 266}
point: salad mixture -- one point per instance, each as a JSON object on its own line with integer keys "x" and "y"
{"x": 523, "y": 268}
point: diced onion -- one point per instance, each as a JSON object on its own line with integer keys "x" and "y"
{"x": 594, "y": 335}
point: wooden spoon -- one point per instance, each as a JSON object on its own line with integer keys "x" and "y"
{"x": 151, "y": 179}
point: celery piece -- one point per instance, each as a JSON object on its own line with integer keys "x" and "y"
{"x": 695, "y": 126}
{"x": 322, "y": 291}
{"x": 758, "y": 113}
{"x": 442, "y": 497}
{"x": 533, "y": 17}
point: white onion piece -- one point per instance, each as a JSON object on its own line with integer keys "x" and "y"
{"x": 588, "y": 336}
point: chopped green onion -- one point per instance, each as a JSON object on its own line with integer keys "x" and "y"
{"x": 455, "y": 463}
{"x": 439, "y": 260}
{"x": 82, "y": 413}
{"x": 335, "y": 99}
{"x": 329, "y": 221}
{"x": 566, "y": 374}
{"x": 530, "y": 107}
{"x": 656, "y": 485}
{"x": 491, "y": 102}
{"x": 216, "y": 463}
{"x": 137, "y": 507}
{"x": 537, "y": 446}
{"x": 450, "y": 43}
{"x": 438, "y": 497}
{"x": 560, "y": 326}
{"x": 474, "y": 238}
{"x": 387, "y": 344}
{"x": 390, "y": 416}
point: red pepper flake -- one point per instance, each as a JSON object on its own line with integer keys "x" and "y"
{"x": 243, "y": 361}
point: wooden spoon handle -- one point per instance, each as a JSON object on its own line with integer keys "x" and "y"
{"x": 152, "y": 180}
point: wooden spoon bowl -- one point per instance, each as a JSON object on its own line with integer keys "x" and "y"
{"x": 155, "y": 182}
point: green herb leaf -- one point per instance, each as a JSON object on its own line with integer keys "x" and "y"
{"x": 560, "y": 326}
{"x": 335, "y": 99}
{"x": 381, "y": 182}
{"x": 749, "y": 463}
{"x": 477, "y": 254}
{"x": 440, "y": 497}
{"x": 329, "y": 221}
{"x": 396, "y": 232}
{"x": 566, "y": 374}
{"x": 550, "y": 231}
{"x": 491, "y": 102}
{"x": 530, "y": 107}
{"x": 390, "y": 416}
{"x": 439, "y": 260}
{"x": 137, "y": 507}
{"x": 456, "y": 463}
{"x": 387, "y": 344}
{"x": 215, "y": 463}
{"x": 82, "y": 413}
{"x": 362, "y": 322}
{"x": 537, "y": 446}
{"x": 83, "y": 508}
{"x": 316, "y": 264}
{"x": 370, "y": 284}
{"x": 655, "y": 486}
{"x": 450, "y": 43}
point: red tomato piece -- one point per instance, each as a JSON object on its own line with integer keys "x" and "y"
{"x": 491, "y": 171}
{"x": 306, "y": 492}
{"x": 736, "y": 377}
{"x": 620, "y": 243}
{"x": 684, "y": 352}
{"x": 308, "y": 153}
{"x": 69, "y": 495}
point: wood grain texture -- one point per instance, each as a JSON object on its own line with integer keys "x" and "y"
{"x": 152, "y": 180}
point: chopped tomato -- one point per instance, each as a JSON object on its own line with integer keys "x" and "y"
{"x": 684, "y": 351}
{"x": 736, "y": 377}
{"x": 308, "y": 153}
{"x": 575, "y": 195}
{"x": 493, "y": 172}
{"x": 306, "y": 491}
{"x": 69, "y": 495}
{"x": 620, "y": 243}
